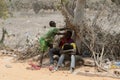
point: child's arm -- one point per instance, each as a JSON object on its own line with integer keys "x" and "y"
{"x": 61, "y": 29}
{"x": 60, "y": 33}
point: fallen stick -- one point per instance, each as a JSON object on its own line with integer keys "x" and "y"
{"x": 92, "y": 74}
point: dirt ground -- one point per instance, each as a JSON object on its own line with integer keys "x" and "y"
{"x": 10, "y": 70}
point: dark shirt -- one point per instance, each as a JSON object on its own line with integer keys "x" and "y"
{"x": 65, "y": 40}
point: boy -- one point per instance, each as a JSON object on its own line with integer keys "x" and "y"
{"x": 68, "y": 47}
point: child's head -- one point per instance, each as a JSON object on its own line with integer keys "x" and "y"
{"x": 68, "y": 34}
{"x": 52, "y": 24}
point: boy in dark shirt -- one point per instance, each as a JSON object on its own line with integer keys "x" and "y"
{"x": 60, "y": 51}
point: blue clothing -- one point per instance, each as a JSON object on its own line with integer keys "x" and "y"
{"x": 61, "y": 59}
{"x": 52, "y": 52}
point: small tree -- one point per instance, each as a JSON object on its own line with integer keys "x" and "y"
{"x": 3, "y": 15}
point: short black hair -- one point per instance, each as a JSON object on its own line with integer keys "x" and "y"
{"x": 69, "y": 34}
{"x": 52, "y": 24}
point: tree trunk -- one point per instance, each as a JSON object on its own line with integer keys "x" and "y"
{"x": 79, "y": 12}
{"x": 74, "y": 18}
{"x": 3, "y": 36}
{"x": 78, "y": 21}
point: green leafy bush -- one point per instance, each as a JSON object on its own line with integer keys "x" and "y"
{"x": 3, "y": 9}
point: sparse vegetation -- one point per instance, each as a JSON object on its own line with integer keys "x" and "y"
{"x": 3, "y": 9}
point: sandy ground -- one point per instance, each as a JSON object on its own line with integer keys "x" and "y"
{"x": 10, "y": 70}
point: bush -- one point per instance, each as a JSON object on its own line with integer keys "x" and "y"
{"x": 3, "y": 9}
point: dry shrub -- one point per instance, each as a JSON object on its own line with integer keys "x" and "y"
{"x": 30, "y": 51}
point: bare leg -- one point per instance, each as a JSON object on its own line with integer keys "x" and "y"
{"x": 41, "y": 58}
